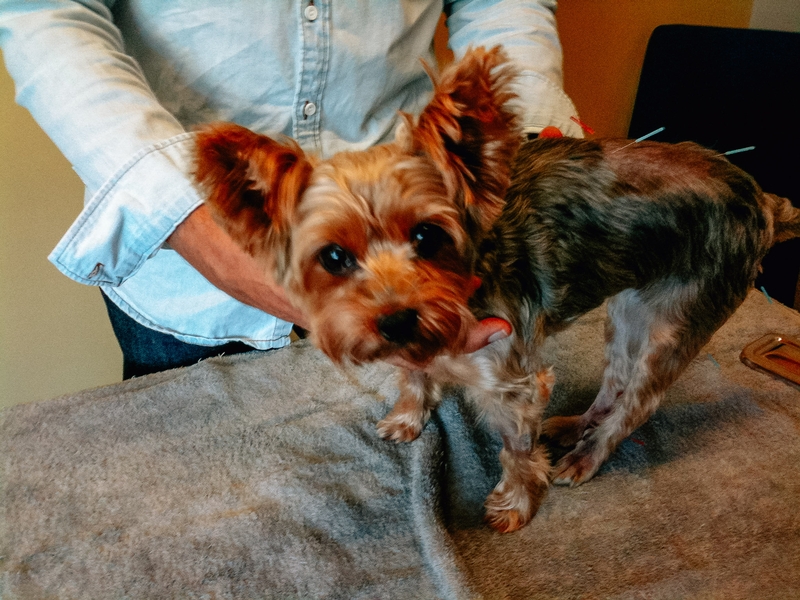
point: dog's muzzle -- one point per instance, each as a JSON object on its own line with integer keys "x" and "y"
{"x": 399, "y": 327}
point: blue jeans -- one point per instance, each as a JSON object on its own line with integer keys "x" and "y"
{"x": 146, "y": 351}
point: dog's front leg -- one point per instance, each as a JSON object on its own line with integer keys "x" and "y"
{"x": 419, "y": 395}
{"x": 526, "y": 477}
{"x": 526, "y": 467}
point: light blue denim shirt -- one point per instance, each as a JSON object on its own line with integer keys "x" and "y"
{"x": 119, "y": 86}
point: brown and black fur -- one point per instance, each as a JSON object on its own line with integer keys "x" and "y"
{"x": 397, "y": 250}
{"x": 673, "y": 235}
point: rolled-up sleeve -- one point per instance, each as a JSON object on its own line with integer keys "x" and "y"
{"x": 527, "y": 31}
{"x": 72, "y": 73}
{"x": 131, "y": 216}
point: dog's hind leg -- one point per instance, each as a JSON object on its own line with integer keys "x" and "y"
{"x": 567, "y": 431}
{"x": 650, "y": 341}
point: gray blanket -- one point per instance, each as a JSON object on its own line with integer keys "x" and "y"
{"x": 261, "y": 476}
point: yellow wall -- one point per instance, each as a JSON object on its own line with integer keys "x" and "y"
{"x": 54, "y": 334}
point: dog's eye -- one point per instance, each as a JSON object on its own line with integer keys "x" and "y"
{"x": 428, "y": 239}
{"x": 337, "y": 261}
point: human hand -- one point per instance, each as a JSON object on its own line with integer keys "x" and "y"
{"x": 486, "y": 332}
{"x": 480, "y": 335}
{"x": 210, "y": 250}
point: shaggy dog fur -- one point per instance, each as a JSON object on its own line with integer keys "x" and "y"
{"x": 397, "y": 250}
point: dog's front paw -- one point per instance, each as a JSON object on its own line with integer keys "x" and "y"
{"x": 509, "y": 508}
{"x": 580, "y": 465}
{"x": 401, "y": 426}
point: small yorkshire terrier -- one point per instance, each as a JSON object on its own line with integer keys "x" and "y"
{"x": 399, "y": 249}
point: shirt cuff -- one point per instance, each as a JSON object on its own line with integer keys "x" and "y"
{"x": 131, "y": 215}
{"x": 551, "y": 107}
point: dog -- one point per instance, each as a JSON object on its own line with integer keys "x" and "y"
{"x": 397, "y": 250}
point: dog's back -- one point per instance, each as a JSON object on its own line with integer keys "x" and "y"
{"x": 671, "y": 235}
{"x": 591, "y": 218}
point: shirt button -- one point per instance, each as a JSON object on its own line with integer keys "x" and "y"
{"x": 311, "y": 12}
{"x": 309, "y": 109}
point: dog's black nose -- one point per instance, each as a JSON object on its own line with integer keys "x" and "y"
{"x": 399, "y": 327}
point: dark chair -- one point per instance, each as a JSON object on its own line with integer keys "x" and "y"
{"x": 729, "y": 89}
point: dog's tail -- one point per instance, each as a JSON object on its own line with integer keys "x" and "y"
{"x": 785, "y": 218}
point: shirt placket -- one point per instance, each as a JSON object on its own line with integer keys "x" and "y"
{"x": 315, "y": 42}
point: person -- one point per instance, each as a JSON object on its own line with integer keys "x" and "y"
{"x": 119, "y": 86}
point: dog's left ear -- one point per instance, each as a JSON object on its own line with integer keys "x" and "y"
{"x": 470, "y": 131}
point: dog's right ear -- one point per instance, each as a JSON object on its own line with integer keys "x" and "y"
{"x": 253, "y": 184}
{"x": 471, "y": 131}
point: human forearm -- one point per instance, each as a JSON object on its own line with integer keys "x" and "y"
{"x": 213, "y": 253}
{"x": 71, "y": 71}
{"x": 528, "y": 33}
